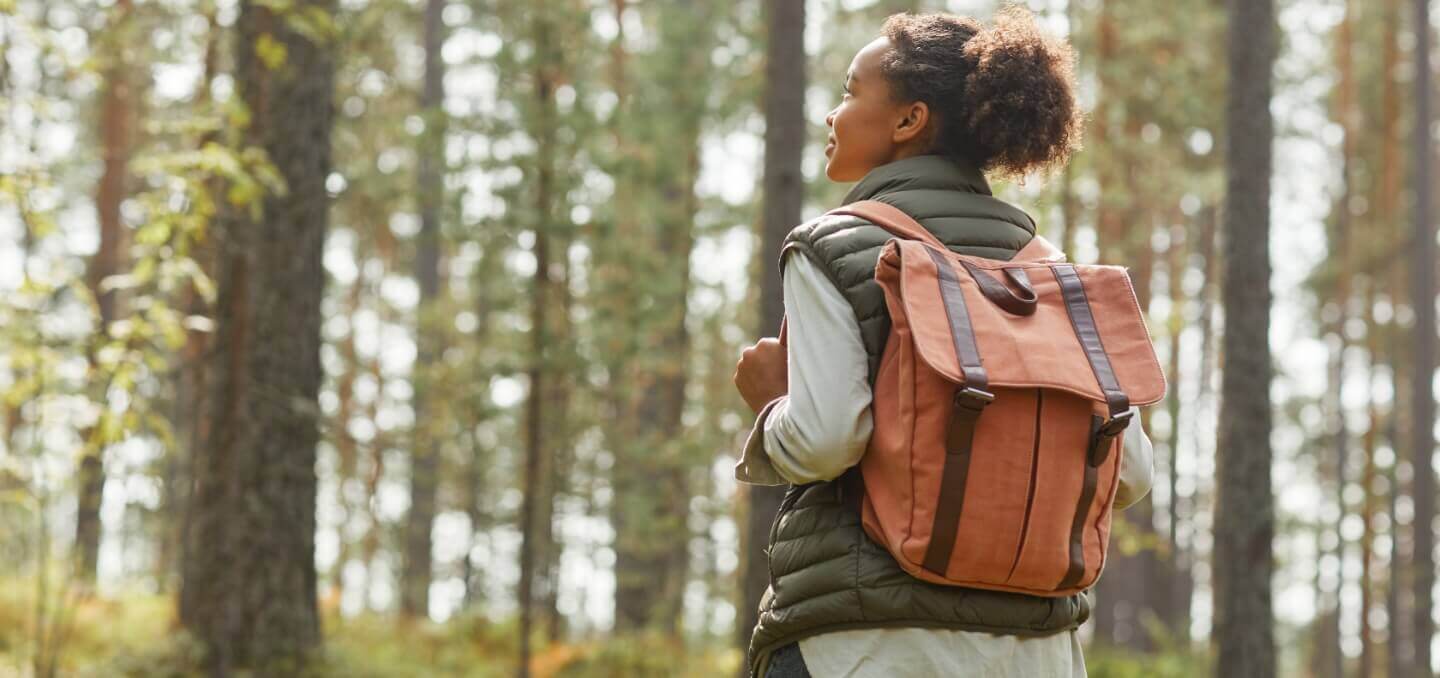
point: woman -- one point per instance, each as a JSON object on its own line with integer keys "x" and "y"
{"x": 928, "y": 108}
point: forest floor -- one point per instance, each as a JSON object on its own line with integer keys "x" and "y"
{"x": 137, "y": 635}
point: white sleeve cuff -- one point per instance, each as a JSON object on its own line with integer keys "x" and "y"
{"x": 1137, "y": 463}
{"x": 754, "y": 467}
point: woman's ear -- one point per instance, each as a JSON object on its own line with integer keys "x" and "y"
{"x": 912, "y": 123}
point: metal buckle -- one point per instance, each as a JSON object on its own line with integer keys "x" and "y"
{"x": 968, "y": 396}
{"x": 1116, "y": 424}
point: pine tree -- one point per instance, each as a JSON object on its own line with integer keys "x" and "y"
{"x": 1244, "y": 513}
{"x": 250, "y": 577}
{"x": 783, "y": 195}
{"x": 118, "y": 112}
{"x": 1422, "y": 397}
{"x": 660, "y": 147}
{"x": 424, "y": 470}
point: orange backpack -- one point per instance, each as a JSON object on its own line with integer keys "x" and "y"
{"x": 999, "y": 412}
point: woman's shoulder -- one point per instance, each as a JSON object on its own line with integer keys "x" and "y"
{"x": 846, "y": 232}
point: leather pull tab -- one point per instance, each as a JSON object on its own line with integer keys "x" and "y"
{"x": 1002, "y": 296}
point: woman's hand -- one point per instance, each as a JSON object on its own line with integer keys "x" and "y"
{"x": 761, "y": 374}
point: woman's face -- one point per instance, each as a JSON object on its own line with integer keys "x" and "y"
{"x": 868, "y": 128}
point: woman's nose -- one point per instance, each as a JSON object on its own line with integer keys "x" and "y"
{"x": 830, "y": 119}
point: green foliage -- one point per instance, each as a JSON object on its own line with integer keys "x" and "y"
{"x": 650, "y": 654}
{"x": 373, "y": 646}
{"x": 136, "y": 635}
{"x": 621, "y": 115}
{"x": 128, "y": 635}
{"x": 1170, "y": 662}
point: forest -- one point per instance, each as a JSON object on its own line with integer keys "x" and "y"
{"x": 396, "y": 337}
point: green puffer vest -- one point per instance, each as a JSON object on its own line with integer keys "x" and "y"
{"x": 826, "y": 574}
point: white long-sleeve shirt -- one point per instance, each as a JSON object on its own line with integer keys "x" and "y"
{"x": 820, "y": 429}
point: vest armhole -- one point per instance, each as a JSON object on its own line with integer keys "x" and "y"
{"x": 804, "y": 248}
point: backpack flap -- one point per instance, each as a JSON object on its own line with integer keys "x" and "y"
{"x": 1031, "y": 339}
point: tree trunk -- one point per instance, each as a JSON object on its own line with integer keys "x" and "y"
{"x": 117, "y": 115}
{"x": 1244, "y": 513}
{"x": 652, "y": 476}
{"x": 1386, "y": 196}
{"x": 562, "y": 364}
{"x": 1172, "y": 596}
{"x": 1388, "y": 206}
{"x": 537, "y": 457}
{"x": 1331, "y": 661}
{"x": 187, "y": 414}
{"x": 425, "y": 461}
{"x": 784, "y": 194}
{"x": 484, "y": 280}
{"x": 1109, "y": 226}
{"x": 1422, "y": 397}
{"x": 251, "y": 578}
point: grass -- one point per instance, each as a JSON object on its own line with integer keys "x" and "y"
{"x": 137, "y": 635}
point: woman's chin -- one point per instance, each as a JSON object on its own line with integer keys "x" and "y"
{"x": 838, "y": 175}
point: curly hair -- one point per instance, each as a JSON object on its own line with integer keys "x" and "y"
{"x": 1003, "y": 96}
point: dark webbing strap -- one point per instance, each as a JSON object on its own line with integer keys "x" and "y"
{"x": 1102, "y": 431}
{"x": 961, "y": 331}
{"x": 1082, "y": 511}
{"x": 1083, "y": 320}
{"x": 970, "y": 400}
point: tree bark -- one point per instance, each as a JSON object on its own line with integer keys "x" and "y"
{"x": 1397, "y": 653}
{"x": 1381, "y": 279}
{"x": 425, "y": 460}
{"x": 782, "y": 198}
{"x": 537, "y": 457}
{"x": 1332, "y": 661}
{"x": 1244, "y": 514}
{"x": 1422, "y": 397}
{"x": 250, "y": 579}
{"x": 117, "y": 116}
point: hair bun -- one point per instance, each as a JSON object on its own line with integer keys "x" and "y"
{"x": 1024, "y": 114}
{"x": 1003, "y": 94}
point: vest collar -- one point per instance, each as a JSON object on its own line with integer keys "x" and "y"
{"x": 922, "y": 172}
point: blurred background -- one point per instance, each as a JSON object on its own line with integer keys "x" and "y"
{"x": 528, "y": 257}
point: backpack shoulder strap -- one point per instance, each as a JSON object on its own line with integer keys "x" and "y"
{"x": 1040, "y": 250}
{"x": 892, "y": 219}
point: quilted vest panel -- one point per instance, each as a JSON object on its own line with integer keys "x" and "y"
{"x": 825, "y": 573}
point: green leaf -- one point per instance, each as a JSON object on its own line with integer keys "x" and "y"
{"x": 144, "y": 270}
{"x": 271, "y": 52}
